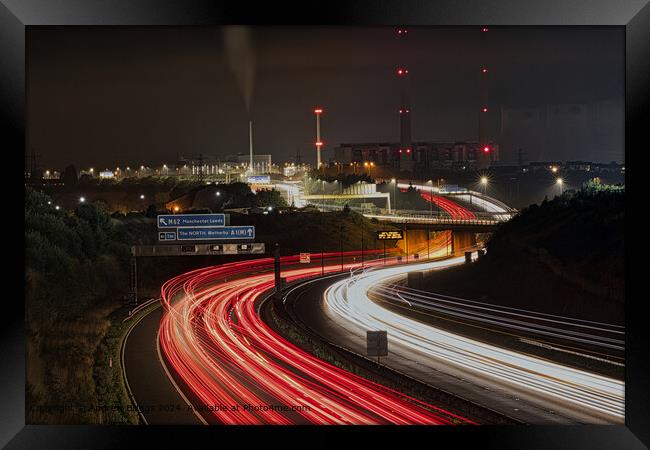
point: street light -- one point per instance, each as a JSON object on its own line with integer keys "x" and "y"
{"x": 218, "y": 194}
{"x": 560, "y": 183}
{"x": 394, "y": 182}
{"x": 484, "y": 182}
{"x": 141, "y": 196}
{"x": 82, "y": 199}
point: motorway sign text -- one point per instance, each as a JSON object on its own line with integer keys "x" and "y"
{"x": 191, "y": 220}
{"x": 216, "y": 233}
{"x": 167, "y": 236}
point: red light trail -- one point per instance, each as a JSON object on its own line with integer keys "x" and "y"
{"x": 214, "y": 339}
{"x": 454, "y": 209}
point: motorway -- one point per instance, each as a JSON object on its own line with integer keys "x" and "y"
{"x": 518, "y": 385}
{"x": 207, "y": 356}
{"x": 158, "y": 399}
{"x": 584, "y": 344}
{"x": 232, "y": 368}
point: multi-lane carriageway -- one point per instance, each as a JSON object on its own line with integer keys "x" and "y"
{"x": 218, "y": 353}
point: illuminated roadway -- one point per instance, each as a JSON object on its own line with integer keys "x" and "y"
{"x": 220, "y": 357}
{"x": 519, "y": 385}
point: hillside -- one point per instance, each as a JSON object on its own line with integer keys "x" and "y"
{"x": 565, "y": 256}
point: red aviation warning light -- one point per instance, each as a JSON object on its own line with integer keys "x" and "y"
{"x": 484, "y": 70}
{"x": 318, "y": 111}
{"x": 486, "y": 149}
{"x": 402, "y": 31}
{"x": 319, "y": 143}
{"x": 402, "y": 71}
{"x": 484, "y": 109}
{"x": 485, "y": 29}
{"x": 408, "y": 150}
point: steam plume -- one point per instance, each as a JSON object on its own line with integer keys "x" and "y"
{"x": 241, "y": 59}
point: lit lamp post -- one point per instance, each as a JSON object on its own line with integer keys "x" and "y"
{"x": 484, "y": 182}
{"x": 394, "y": 183}
{"x": 369, "y": 166}
{"x": 560, "y": 184}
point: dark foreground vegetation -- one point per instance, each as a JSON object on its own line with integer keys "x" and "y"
{"x": 564, "y": 256}
{"x": 77, "y": 273}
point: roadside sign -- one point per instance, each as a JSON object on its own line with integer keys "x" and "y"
{"x": 377, "y": 343}
{"x": 191, "y": 220}
{"x": 216, "y": 233}
{"x": 259, "y": 179}
{"x": 389, "y": 234}
{"x": 230, "y": 249}
{"x": 167, "y": 236}
{"x": 234, "y": 249}
{"x": 170, "y": 249}
{"x": 305, "y": 258}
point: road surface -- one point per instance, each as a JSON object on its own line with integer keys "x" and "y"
{"x": 232, "y": 368}
{"x": 515, "y": 384}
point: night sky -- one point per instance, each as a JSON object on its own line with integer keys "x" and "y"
{"x": 129, "y": 96}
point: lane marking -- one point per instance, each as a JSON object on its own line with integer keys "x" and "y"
{"x": 126, "y": 379}
{"x": 169, "y": 375}
{"x": 551, "y": 347}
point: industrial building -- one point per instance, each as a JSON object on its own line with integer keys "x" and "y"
{"x": 408, "y": 155}
{"x": 418, "y": 156}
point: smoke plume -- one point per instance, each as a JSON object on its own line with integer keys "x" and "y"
{"x": 241, "y": 59}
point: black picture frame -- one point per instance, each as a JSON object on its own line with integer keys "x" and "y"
{"x": 16, "y": 15}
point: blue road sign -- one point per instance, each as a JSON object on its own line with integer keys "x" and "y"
{"x": 167, "y": 236}
{"x": 191, "y": 220}
{"x": 216, "y": 233}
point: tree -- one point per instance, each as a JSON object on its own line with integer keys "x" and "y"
{"x": 269, "y": 197}
{"x": 152, "y": 211}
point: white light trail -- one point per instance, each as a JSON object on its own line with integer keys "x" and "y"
{"x": 347, "y": 302}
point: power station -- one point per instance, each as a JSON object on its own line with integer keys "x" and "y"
{"x": 408, "y": 155}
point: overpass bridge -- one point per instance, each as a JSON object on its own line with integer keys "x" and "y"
{"x": 482, "y": 223}
{"x": 463, "y": 213}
